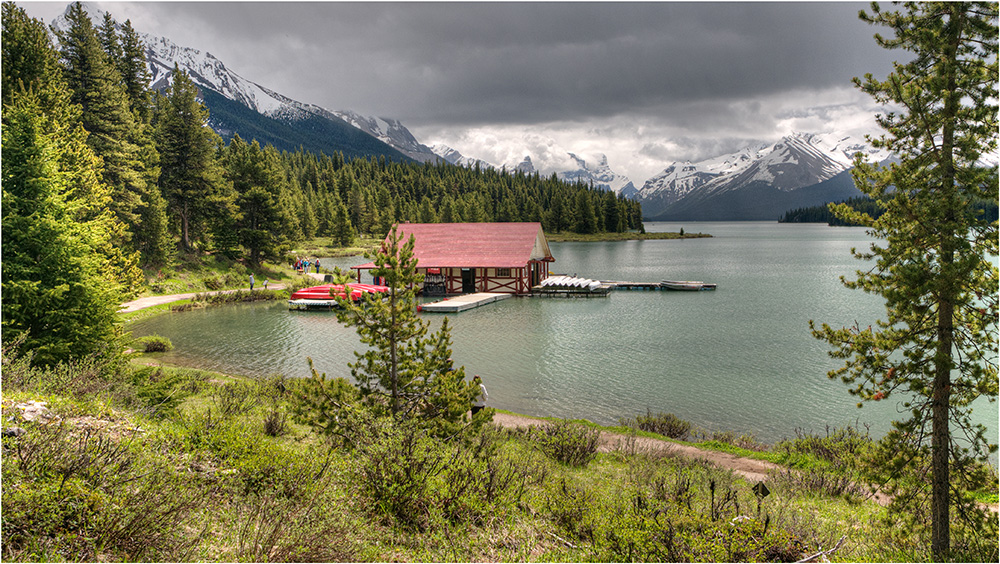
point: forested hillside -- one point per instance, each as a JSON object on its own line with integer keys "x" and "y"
{"x": 822, "y": 214}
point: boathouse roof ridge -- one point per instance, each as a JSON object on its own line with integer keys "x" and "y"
{"x": 476, "y": 245}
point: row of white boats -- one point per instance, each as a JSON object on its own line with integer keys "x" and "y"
{"x": 592, "y": 285}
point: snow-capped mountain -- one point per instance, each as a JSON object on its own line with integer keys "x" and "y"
{"x": 456, "y": 158}
{"x": 601, "y": 176}
{"x": 325, "y": 129}
{"x": 391, "y": 132}
{"x": 796, "y": 162}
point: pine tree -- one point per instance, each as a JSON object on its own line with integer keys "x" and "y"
{"x": 190, "y": 177}
{"x": 405, "y": 374}
{"x": 938, "y": 347}
{"x": 134, "y": 72}
{"x": 263, "y": 220}
{"x": 96, "y": 86}
{"x": 343, "y": 233}
{"x": 65, "y": 272}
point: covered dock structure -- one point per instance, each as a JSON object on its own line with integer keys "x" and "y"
{"x": 463, "y": 258}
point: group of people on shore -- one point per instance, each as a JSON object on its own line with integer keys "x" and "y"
{"x": 303, "y": 264}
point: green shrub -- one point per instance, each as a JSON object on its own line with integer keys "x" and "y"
{"x": 666, "y": 424}
{"x": 159, "y": 391}
{"x": 213, "y": 282}
{"x": 567, "y": 443}
{"x": 154, "y": 343}
{"x": 841, "y": 447}
{"x": 75, "y": 495}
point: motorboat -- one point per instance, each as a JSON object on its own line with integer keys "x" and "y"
{"x": 687, "y": 285}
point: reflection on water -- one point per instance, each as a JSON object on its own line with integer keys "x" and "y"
{"x": 738, "y": 358}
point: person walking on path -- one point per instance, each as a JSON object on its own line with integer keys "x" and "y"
{"x": 251, "y": 282}
{"x": 317, "y": 266}
{"x": 480, "y": 402}
{"x": 265, "y": 283}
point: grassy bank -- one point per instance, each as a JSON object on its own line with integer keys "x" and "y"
{"x": 142, "y": 462}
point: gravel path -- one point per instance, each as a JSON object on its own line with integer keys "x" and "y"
{"x": 750, "y": 469}
{"x": 150, "y": 301}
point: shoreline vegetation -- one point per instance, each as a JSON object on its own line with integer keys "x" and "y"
{"x": 191, "y": 465}
{"x": 205, "y": 274}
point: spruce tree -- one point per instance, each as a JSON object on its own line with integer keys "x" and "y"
{"x": 114, "y": 134}
{"x": 937, "y": 349}
{"x": 65, "y": 272}
{"x": 263, "y": 219}
{"x": 190, "y": 177}
{"x": 404, "y": 374}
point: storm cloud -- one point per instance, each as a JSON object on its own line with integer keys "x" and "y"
{"x": 675, "y": 80}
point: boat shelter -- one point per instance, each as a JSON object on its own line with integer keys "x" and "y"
{"x": 462, "y": 258}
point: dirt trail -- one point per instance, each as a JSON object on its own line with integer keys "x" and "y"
{"x": 750, "y": 469}
{"x": 150, "y": 301}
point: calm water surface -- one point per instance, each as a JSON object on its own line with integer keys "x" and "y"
{"x": 739, "y": 358}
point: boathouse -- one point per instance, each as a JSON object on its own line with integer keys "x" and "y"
{"x": 462, "y": 258}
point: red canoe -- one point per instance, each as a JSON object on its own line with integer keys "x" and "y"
{"x": 328, "y": 291}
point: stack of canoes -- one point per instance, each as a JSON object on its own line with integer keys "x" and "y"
{"x": 324, "y": 296}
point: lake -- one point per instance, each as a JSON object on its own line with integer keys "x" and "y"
{"x": 740, "y": 358}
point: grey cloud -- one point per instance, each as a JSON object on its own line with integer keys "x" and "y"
{"x": 469, "y": 63}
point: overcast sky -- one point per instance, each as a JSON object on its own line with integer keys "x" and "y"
{"x": 644, "y": 83}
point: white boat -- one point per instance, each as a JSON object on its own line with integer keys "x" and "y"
{"x": 687, "y": 285}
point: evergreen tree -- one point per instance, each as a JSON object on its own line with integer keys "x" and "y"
{"x": 190, "y": 177}
{"x": 343, "y": 233}
{"x": 96, "y": 86}
{"x": 65, "y": 273}
{"x": 586, "y": 220}
{"x": 938, "y": 347}
{"x": 134, "y": 72}
{"x": 403, "y": 373}
{"x": 263, "y": 219}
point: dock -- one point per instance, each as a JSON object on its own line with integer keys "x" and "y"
{"x": 463, "y": 302}
{"x": 637, "y": 285}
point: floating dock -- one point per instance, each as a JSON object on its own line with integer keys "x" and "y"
{"x": 463, "y": 302}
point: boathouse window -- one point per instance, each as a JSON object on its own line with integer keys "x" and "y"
{"x": 503, "y": 273}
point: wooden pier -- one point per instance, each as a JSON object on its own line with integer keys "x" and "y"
{"x": 463, "y": 302}
{"x": 637, "y": 285}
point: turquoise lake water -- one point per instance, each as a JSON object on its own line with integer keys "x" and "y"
{"x": 740, "y": 358}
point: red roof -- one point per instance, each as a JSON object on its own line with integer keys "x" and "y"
{"x": 475, "y": 245}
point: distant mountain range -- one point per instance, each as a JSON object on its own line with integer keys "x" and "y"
{"x": 760, "y": 182}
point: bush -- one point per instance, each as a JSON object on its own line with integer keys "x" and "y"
{"x": 213, "y": 282}
{"x": 159, "y": 391}
{"x": 396, "y": 464}
{"x": 154, "y": 343}
{"x": 74, "y": 495}
{"x": 567, "y": 443}
{"x": 666, "y": 424}
{"x": 840, "y": 447}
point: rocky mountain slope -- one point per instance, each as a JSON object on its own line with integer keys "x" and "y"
{"x": 757, "y": 182}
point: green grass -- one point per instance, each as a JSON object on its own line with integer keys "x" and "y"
{"x": 207, "y": 483}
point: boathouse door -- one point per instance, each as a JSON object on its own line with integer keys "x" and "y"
{"x": 468, "y": 280}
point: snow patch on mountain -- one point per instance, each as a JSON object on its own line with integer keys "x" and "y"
{"x": 456, "y": 158}
{"x": 391, "y": 132}
{"x": 598, "y": 174}
{"x": 796, "y": 161}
